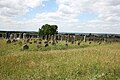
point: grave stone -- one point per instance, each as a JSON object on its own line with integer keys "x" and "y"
{"x": 11, "y": 36}
{"x": 24, "y": 36}
{"x": 84, "y": 38}
{"x": 15, "y": 36}
{"x": 25, "y": 47}
{"x": 8, "y": 41}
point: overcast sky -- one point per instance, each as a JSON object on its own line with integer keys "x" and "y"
{"x": 86, "y": 16}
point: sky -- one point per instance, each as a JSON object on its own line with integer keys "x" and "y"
{"x": 80, "y": 16}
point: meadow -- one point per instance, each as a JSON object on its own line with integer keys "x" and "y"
{"x": 58, "y": 62}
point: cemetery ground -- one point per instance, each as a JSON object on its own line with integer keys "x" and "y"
{"x": 60, "y": 62}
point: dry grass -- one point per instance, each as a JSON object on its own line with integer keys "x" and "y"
{"x": 100, "y": 62}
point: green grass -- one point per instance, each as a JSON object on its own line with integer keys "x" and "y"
{"x": 85, "y": 62}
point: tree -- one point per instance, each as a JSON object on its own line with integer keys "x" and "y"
{"x": 40, "y": 33}
{"x": 48, "y": 30}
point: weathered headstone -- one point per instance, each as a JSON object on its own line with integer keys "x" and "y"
{"x": 24, "y": 36}
{"x": 11, "y": 36}
{"x": 20, "y": 35}
{"x": 30, "y": 42}
{"x": 100, "y": 43}
{"x": 52, "y": 37}
{"x": 39, "y": 42}
{"x": 27, "y": 40}
{"x": 1, "y": 35}
{"x": 7, "y": 35}
{"x": 61, "y": 38}
{"x": 53, "y": 43}
{"x": 79, "y": 43}
{"x": 74, "y": 39}
{"x": 14, "y": 41}
{"x": 8, "y": 41}
{"x": 84, "y": 38}
{"x": 46, "y": 44}
{"x": 66, "y": 44}
{"x": 25, "y": 47}
{"x": 15, "y": 36}
{"x": 90, "y": 42}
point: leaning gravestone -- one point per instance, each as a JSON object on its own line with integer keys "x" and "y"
{"x": 13, "y": 41}
{"x": 46, "y": 44}
{"x": 25, "y": 47}
{"x": 8, "y": 41}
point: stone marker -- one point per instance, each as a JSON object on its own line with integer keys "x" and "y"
{"x": 25, "y": 47}
{"x": 46, "y": 45}
{"x": 66, "y": 44}
{"x": 30, "y": 42}
{"x": 39, "y": 42}
{"x": 78, "y": 43}
{"x": 15, "y": 36}
{"x": 20, "y": 35}
{"x": 11, "y": 36}
{"x": 53, "y": 43}
{"x": 89, "y": 42}
{"x": 84, "y": 38}
{"x": 24, "y": 36}
{"x": 8, "y": 41}
{"x": 14, "y": 41}
{"x": 100, "y": 43}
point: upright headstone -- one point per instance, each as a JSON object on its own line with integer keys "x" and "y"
{"x": 46, "y": 37}
{"x": 84, "y": 38}
{"x": 24, "y": 36}
{"x": 7, "y": 35}
{"x": 15, "y": 36}
{"x": 66, "y": 38}
{"x": 61, "y": 37}
{"x": 20, "y": 35}
{"x": 74, "y": 38}
{"x": 25, "y": 47}
{"x": 0, "y": 35}
{"x": 52, "y": 37}
{"x": 11, "y": 36}
{"x": 8, "y": 41}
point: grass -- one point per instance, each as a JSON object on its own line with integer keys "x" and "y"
{"x": 85, "y": 62}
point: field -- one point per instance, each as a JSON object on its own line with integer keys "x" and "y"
{"x": 84, "y": 62}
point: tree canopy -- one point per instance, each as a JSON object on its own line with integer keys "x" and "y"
{"x": 48, "y": 30}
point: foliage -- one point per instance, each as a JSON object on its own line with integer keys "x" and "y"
{"x": 48, "y": 30}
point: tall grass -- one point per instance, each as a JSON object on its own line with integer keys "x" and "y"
{"x": 94, "y": 62}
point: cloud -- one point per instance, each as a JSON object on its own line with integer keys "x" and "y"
{"x": 11, "y": 8}
{"x": 66, "y": 16}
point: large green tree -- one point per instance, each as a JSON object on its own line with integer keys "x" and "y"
{"x": 48, "y": 30}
